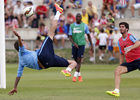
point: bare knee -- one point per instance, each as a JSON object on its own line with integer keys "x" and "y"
{"x": 132, "y": 7}
{"x": 117, "y": 71}
{"x": 121, "y": 70}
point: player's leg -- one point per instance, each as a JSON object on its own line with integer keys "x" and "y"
{"x": 54, "y": 21}
{"x": 80, "y": 53}
{"x": 78, "y": 68}
{"x": 71, "y": 66}
{"x": 123, "y": 68}
{"x": 132, "y": 10}
{"x": 119, "y": 70}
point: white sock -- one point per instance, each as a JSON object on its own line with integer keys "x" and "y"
{"x": 75, "y": 74}
{"x": 117, "y": 90}
{"x": 56, "y": 17}
{"x": 79, "y": 74}
{"x": 68, "y": 69}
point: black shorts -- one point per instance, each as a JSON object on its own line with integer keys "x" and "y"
{"x": 132, "y": 65}
{"x": 102, "y": 47}
{"x": 47, "y": 57}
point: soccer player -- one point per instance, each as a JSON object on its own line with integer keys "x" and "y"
{"x": 129, "y": 47}
{"x": 44, "y": 57}
{"x": 77, "y": 37}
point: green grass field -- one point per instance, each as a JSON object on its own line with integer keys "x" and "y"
{"x": 49, "y": 84}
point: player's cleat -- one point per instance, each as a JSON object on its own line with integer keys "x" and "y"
{"x": 74, "y": 79}
{"x": 113, "y": 93}
{"x": 58, "y": 8}
{"x": 66, "y": 73}
{"x": 80, "y": 79}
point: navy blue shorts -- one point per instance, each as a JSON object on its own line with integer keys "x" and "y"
{"x": 47, "y": 57}
{"x": 78, "y": 52}
{"x": 110, "y": 48}
{"x": 132, "y": 65}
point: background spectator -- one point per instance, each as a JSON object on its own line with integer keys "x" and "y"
{"x": 61, "y": 18}
{"x": 31, "y": 18}
{"x": 103, "y": 21}
{"x": 18, "y": 12}
{"x": 135, "y": 5}
{"x": 103, "y": 37}
{"x": 111, "y": 20}
{"x": 110, "y": 45}
{"x": 93, "y": 36}
{"x": 116, "y": 36}
{"x": 95, "y": 20}
{"x": 121, "y": 4}
{"x": 107, "y": 4}
{"x": 91, "y": 10}
{"x": 70, "y": 20}
{"x": 116, "y": 14}
{"x": 75, "y": 4}
{"x": 12, "y": 4}
{"x": 85, "y": 17}
{"x": 49, "y": 5}
{"x": 61, "y": 34}
{"x": 7, "y": 8}
{"x": 7, "y": 24}
{"x": 42, "y": 32}
{"x": 41, "y": 11}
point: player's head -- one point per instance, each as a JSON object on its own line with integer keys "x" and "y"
{"x": 16, "y": 45}
{"x": 83, "y": 11}
{"x": 124, "y": 27}
{"x": 110, "y": 31}
{"x": 78, "y": 18}
{"x": 102, "y": 30}
{"x": 18, "y": 2}
{"x": 42, "y": 25}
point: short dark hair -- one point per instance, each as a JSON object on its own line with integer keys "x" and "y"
{"x": 125, "y": 24}
{"x": 102, "y": 30}
{"x": 30, "y": 3}
{"x": 110, "y": 31}
{"x": 16, "y": 45}
{"x": 103, "y": 14}
{"x": 110, "y": 14}
{"x": 42, "y": 24}
{"x": 78, "y": 14}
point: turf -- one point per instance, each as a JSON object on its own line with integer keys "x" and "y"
{"x": 49, "y": 84}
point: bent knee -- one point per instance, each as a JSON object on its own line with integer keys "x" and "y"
{"x": 120, "y": 70}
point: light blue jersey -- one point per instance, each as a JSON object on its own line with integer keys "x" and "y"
{"x": 26, "y": 58}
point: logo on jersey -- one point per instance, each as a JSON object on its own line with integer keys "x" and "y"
{"x": 125, "y": 49}
{"x": 77, "y": 30}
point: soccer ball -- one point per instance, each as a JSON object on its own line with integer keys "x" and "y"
{"x": 28, "y": 11}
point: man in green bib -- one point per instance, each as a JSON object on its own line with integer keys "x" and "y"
{"x": 77, "y": 37}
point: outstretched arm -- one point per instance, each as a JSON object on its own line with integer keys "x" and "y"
{"x": 18, "y": 36}
{"x": 14, "y": 90}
